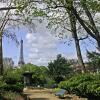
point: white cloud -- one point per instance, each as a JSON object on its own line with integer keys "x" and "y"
{"x": 41, "y": 49}
{"x": 42, "y": 46}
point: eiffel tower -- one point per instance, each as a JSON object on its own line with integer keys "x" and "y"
{"x": 21, "y": 58}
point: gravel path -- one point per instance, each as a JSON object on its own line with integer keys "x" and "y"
{"x": 46, "y": 94}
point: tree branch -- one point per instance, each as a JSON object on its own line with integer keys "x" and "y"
{"x": 11, "y": 8}
{"x": 82, "y": 23}
{"x": 83, "y": 38}
{"x": 7, "y": 8}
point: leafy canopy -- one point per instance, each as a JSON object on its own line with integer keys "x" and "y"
{"x": 59, "y": 68}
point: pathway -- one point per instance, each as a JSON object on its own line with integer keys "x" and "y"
{"x": 46, "y": 94}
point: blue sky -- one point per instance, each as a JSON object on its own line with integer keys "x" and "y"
{"x": 40, "y": 47}
{"x": 10, "y": 48}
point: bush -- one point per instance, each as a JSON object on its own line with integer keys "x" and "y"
{"x": 13, "y": 76}
{"x": 11, "y": 96}
{"x": 2, "y": 83}
{"x": 14, "y": 87}
{"x": 94, "y": 60}
{"x": 83, "y": 85}
{"x": 10, "y": 80}
{"x": 50, "y": 83}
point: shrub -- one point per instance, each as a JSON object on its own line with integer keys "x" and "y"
{"x": 10, "y": 80}
{"x": 50, "y": 83}
{"x": 11, "y": 96}
{"x": 83, "y": 85}
{"x": 12, "y": 77}
{"x": 94, "y": 60}
{"x": 2, "y": 83}
{"x": 14, "y": 87}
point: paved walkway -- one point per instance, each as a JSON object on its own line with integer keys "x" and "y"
{"x": 46, "y": 94}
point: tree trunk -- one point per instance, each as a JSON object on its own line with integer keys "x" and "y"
{"x": 92, "y": 23}
{"x": 96, "y": 36}
{"x": 79, "y": 55}
{"x": 68, "y": 4}
{"x": 74, "y": 33}
{"x": 1, "y": 56}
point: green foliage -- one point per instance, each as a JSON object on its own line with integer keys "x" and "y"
{"x": 93, "y": 5}
{"x": 13, "y": 76}
{"x": 50, "y": 83}
{"x": 10, "y": 96}
{"x": 12, "y": 81}
{"x": 83, "y": 84}
{"x": 59, "y": 69}
{"x": 2, "y": 83}
{"x": 38, "y": 13}
{"x": 18, "y": 87}
{"x": 94, "y": 60}
{"x": 39, "y": 74}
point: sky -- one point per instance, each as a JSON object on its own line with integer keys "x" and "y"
{"x": 40, "y": 46}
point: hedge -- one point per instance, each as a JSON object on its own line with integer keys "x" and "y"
{"x": 83, "y": 85}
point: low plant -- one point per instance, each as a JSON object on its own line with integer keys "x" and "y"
{"x": 11, "y": 96}
{"x": 83, "y": 84}
{"x": 14, "y": 87}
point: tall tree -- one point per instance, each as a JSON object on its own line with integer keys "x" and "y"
{"x": 1, "y": 35}
{"x": 92, "y": 4}
{"x": 90, "y": 26}
{"x": 57, "y": 15}
{"x": 55, "y": 7}
{"x": 73, "y": 21}
{"x": 1, "y": 56}
{"x": 91, "y": 23}
{"x": 59, "y": 68}
{"x": 94, "y": 60}
{"x": 6, "y": 21}
{"x": 9, "y": 18}
{"x": 74, "y": 34}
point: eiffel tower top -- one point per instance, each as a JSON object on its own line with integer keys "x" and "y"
{"x": 21, "y": 58}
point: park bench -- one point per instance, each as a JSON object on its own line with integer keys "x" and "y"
{"x": 60, "y": 93}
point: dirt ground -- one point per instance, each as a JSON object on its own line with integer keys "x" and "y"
{"x": 46, "y": 94}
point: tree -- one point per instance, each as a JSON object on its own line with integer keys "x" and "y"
{"x": 8, "y": 19}
{"x": 58, "y": 22}
{"x": 1, "y": 35}
{"x": 59, "y": 69}
{"x": 90, "y": 27}
{"x": 94, "y": 60}
{"x": 4, "y": 18}
{"x": 75, "y": 36}
{"x": 55, "y": 9}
